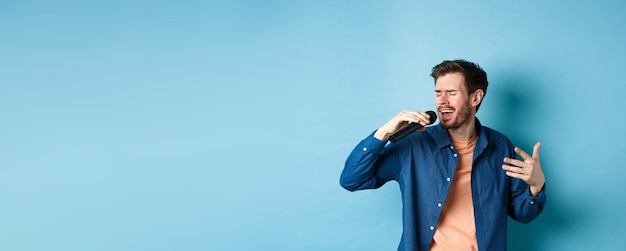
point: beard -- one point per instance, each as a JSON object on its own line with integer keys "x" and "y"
{"x": 462, "y": 116}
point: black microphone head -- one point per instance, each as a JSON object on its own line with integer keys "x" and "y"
{"x": 433, "y": 117}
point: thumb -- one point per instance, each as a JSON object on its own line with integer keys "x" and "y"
{"x": 536, "y": 150}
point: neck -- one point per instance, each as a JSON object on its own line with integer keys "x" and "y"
{"x": 464, "y": 132}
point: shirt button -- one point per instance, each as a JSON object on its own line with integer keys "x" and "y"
{"x": 438, "y": 204}
{"x": 365, "y": 149}
{"x": 432, "y": 228}
{"x": 532, "y": 202}
{"x": 447, "y": 179}
{"x": 455, "y": 155}
{"x": 451, "y": 147}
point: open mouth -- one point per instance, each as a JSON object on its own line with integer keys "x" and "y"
{"x": 445, "y": 113}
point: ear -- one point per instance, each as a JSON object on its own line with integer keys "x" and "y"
{"x": 477, "y": 97}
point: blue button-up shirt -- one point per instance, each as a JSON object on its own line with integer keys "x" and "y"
{"x": 424, "y": 163}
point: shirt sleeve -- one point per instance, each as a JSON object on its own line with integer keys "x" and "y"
{"x": 369, "y": 165}
{"x": 523, "y": 206}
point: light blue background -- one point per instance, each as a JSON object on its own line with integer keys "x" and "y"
{"x": 224, "y": 125}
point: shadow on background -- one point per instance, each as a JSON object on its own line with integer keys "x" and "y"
{"x": 519, "y": 105}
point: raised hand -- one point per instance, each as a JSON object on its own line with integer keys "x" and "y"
{"x": 401, "y": 120}
{"x": 528, "y": 170}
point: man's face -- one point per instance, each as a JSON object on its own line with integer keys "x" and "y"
{"x": 452, "y": 100}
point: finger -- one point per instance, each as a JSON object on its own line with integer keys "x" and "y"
{"x": 515, "y": 175}
{"x": 536, "y": 150}
{"x": 425, "y": 115}
{"x": 513, "y": 162}
{"x": 513, "y": 169}
{"x": 406, "y": 116}
{"x": 521, "y": 153}
{"x": 417, "y": 117}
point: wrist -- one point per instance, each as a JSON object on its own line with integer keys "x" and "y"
{"x": 381, "y": 135}
{"x": 536, "y": 189}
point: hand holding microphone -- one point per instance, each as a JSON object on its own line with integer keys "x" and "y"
{"x": 405, "y": 123}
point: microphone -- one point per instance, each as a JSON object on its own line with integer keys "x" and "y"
{"x": 412, "y": 127}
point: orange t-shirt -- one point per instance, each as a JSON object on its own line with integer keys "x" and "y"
{"x": 456, "y": 229}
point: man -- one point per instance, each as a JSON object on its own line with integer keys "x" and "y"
{"x": 459, "y": 180}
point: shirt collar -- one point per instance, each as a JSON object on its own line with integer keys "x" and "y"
{"x": 442, "y": 138}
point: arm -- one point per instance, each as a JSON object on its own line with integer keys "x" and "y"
{"x": 527, "y": 185}
{"x": 370, "y": 164}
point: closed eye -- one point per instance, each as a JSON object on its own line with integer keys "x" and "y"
{"x": 438, "y": 93}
